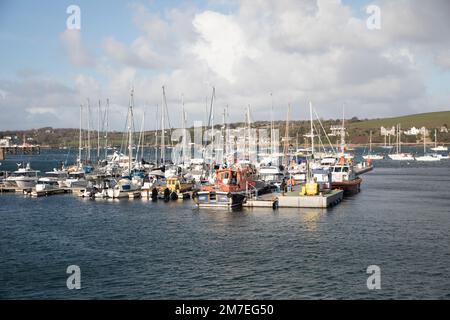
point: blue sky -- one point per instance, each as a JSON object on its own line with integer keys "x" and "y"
{"x": 123, "y": 48}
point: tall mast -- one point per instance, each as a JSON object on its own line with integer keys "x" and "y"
{"x": 98, "y": 131}
{"x": 130, "y": 136}
{"x": 156, "y": 136}
{"x": 79, "y": 141}
{"x": 89, "y": 131}
{"x": 435, "y": 138}
{"x": 211, "y": 120}
{"x": 271, "y": 126}
{"x": 312, "y": 128}
{"x": 106, "y": 127}
{"x": 163, "y": 128}
{"x": 424, "y": 143}
{"x": 286, "y": 136}
{"x": 370, "y": 143}
{"x": 343, "y": 130}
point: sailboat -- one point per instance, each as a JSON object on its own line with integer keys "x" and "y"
{"x": 436, "y": 147}
{"x": 427, "y": 157}
{"x": 399, "y": 156}
{"x": 126, "y": 184}
{"x": 371, "y": 156}
{"x": 387, "y": 146}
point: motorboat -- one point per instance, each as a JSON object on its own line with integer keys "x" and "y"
{"x": 23, "y": 178}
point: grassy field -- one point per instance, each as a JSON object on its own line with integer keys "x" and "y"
{"x": 429, "y": 120}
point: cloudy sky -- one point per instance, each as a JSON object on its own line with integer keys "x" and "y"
{"x": 299, "y": 50}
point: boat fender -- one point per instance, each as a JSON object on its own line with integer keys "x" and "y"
{"x": 229, "y": 195}
{"x": 166, "y": 194}
{"x": 154, "y": 194}
{"x": 194, "y": 194}
{"x": 174, "y": 196}
{"x": 275, "y": 205}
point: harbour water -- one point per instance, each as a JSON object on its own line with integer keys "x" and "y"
{"x": 138, "y": 249}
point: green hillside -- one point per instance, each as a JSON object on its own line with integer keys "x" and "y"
{"x": 429, "y": 120}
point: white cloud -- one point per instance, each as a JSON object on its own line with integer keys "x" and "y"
{"x": 300, "y": 50}
{"x": 75, "y": 50}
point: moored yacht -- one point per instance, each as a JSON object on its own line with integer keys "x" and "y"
{"x": 23, "y": 178}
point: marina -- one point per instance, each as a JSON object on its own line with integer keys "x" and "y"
{"x": 189, "y": 152}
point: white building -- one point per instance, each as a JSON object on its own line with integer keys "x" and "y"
{"x": 387, "y": 132}
{"x": 5, "y": 142}
{"x": 416, "y": 131}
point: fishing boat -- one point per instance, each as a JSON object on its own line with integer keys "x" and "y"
{"x": 344, "y": 177}
{"x": 229, "y": 189}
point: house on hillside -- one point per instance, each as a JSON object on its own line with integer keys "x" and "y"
{"x": 416, "y": 131}
{"x": 387, "y": 132}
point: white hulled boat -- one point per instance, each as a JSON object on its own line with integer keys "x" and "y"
{"x": 23, "y": 178}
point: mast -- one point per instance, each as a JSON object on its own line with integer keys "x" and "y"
{"x": 435, "y": 138}
{"x": 424, "y": 143}
{"x": 163, "y": 142}
{"x": 79, "y": 141}
{"x": 370, "y": 142}
{"x": 312, "y": 128}
{"x": 156, "y": 135}
{"x": 89, "y": 131}
{"x": 130, "y": 137}
{"x": 343, "y": 130}
{"x": 271, "y": 127}
{"x": 211, "y": 120}
{"x": 106, "y": 127}
{"x": 98, "y": 131}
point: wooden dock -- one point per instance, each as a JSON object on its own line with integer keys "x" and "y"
{"x": 294, "y": 200}
{"x": 46, "y": 193}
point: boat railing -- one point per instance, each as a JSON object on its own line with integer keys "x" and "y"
{"x": 251, "y": 192}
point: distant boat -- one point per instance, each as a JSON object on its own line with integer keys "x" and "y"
{"x": 427, "y": 157}
{"x": 371, "y": 156}
{"x": 399, "y": 156}
{"x": 436, "y": 147}
{"x": 389, "y": 146}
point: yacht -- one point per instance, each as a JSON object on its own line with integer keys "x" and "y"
{"x": 427, "y": 157}
{"x": 399, "y": 156}
{"x": 75, "y": 179}
{"x": 371, "y": 156}
{"x": 436, "y": 147}
{"x": 23, "y": 178}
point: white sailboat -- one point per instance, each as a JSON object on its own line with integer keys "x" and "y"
{"x": 371, "y": 156}
{"x": 399, "y": 156}
{"x": 427, "y": 157}
{"x": 387, "y": 146}
{"x": 126, "y": 184}
{"x": 436, "y": 147}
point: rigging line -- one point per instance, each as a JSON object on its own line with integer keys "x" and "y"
{"x": 326, "y": 135}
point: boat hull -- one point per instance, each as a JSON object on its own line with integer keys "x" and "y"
{"x": 349, "y": 187}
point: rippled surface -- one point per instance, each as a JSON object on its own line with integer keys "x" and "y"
{"x": 139, "y": 249}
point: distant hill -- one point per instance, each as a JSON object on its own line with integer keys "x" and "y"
{"x": 428, "y": 120}
{"x": 357, "y": 131}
